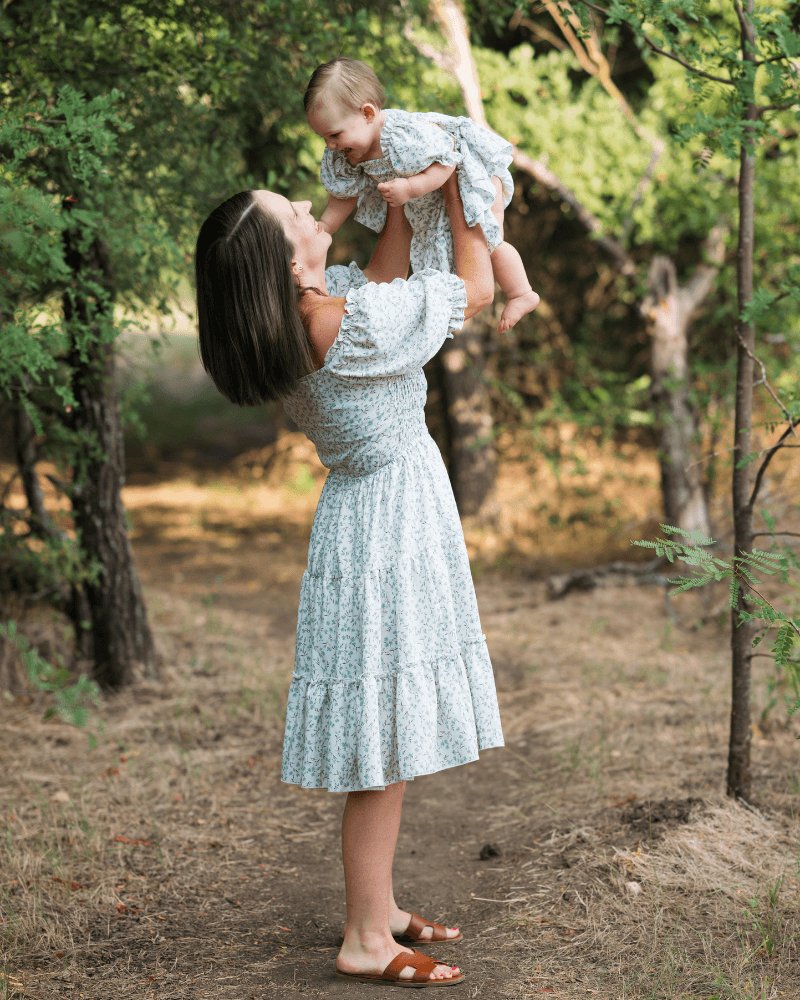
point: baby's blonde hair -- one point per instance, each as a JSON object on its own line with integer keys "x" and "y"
{"x": 349, "y": 82}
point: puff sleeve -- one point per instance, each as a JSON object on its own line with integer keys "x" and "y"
{"x": 342, "y": 180}
{"x": 395, "y": 327}
{"x": 411, "y": 143}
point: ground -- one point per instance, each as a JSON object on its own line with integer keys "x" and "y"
{"x": 595, "y": 855}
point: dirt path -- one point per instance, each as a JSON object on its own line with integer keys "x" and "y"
{"x": 169, "y": 862}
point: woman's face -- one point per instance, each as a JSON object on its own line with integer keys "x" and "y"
{"x": 302, "y": 229}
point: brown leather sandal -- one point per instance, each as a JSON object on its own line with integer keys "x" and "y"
{"x": 411, "y": 935}
{"x": 422, "y": 964}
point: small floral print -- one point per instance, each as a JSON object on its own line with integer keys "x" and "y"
{"x": 410, "y": 142}
{"x": 392, "y": 675}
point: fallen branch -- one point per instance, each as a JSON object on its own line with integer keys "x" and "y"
{"x": 561, "y": 584}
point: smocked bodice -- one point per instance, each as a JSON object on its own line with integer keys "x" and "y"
{"x": 366, "y": 405}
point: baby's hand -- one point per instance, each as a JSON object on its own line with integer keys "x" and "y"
{"x": 396, "y": 192}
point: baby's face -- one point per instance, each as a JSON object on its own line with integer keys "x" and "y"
{"x": 356, "y": 134}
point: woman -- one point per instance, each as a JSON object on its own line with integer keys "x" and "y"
{"x": 392, "y": 677}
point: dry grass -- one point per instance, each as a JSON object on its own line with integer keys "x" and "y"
{"x": 167, "y": 860}
{"x": 739, "y": 869}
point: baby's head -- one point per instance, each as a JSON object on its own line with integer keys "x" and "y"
{"x": 343, "y": 102}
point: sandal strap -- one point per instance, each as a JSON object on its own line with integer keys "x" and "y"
{"x": 422, "y": 964}
{"x": 417, "y": 924}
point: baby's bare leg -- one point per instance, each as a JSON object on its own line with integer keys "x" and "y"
{"x": 509, "y": 272}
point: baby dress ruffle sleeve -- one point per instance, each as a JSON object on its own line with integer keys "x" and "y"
{"x": 342, "y": 180}
{"x": 340, "y": 278}
{"x": 483, "y": 155}
{"x": 395, "y": 327}
{"x": 411, "y": 143}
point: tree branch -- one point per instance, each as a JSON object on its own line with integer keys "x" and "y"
{"x": 540, "y": 172}
{"x": 699, "y": 285}
{"x": 458, "y": 61}
{"x": 663, "y": 52}
{"x": 762, "y": 108}
{"x": 686, "y": 65}
{"x": 767, "y": 459}
{"x": 781, "y": 58}
{"x": 589, "y": 54}
{"x": 539, "y": 30}
{"x": 765, "y": 382}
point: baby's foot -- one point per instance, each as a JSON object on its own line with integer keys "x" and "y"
{"x": 516, "y": 308}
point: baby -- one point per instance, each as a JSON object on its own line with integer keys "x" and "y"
{"x": 375, "y": 155}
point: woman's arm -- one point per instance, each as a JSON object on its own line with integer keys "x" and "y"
{"x": 472, "y": 261}
{"x": 403, "y": 189}
{"x": 390, "y": 258}
{"x": 337, "y": 211}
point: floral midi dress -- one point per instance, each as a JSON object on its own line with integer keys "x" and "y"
{"x": 392, "y": 677}
{"x": 410, "y": 142}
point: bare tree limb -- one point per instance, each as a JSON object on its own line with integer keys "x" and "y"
{"x": 763, "y": 108}
{"x": 540, "y": 172}
{"x": 765, "y": 382}
{"x": 767, "y": 459}
{"x": 772, "y": 59}
{"x": 517, "y": 20}
{"x": 458, "y": 61}
{"x": 699, "y": 285}
{"x": 589, "y": 53}
{"x": 686, "y": 65}
{"x": 27, "y": 458}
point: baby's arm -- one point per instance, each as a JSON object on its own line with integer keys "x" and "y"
{"x": 402, "y": 189}
{"x": 336, "y": 212}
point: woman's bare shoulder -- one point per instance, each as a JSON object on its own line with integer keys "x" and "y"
{"x": 322, "y": 317}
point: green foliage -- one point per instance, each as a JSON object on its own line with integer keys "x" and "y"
{"x": 54, "y": 154}
{"x": 71, "y": 699}
{"x": 743, "y": 574}
{"x": 121, "y": 125}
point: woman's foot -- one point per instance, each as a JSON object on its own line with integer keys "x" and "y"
{"x": 516, "y": 308}
{"x": 369, "y": 954}
{"x": 399, "y": 921}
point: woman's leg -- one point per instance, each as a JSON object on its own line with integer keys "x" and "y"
{"x": 370, "y": 824}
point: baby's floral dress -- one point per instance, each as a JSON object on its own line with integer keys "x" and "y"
{"x": 392, "y": 677}
{"x": 411, "y": 142}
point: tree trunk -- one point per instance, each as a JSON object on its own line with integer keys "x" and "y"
{"x": 120, "y": 634}
{"x": 25, "y": 451}
{"x": 472, "y": 461}
{"x": 71, "y": 601}
{"x": 668, "y": 310}
{"x": 684, "y": 497}
{"x": 739, "y": 776}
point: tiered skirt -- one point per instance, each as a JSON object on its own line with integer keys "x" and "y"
{"x": 392, "y": 675}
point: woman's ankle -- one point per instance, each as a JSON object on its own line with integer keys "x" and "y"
{"x": 366, "y": 938}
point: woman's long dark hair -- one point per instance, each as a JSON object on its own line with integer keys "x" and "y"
{"x": 252, "y": 341}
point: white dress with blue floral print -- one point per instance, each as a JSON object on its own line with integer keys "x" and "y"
{"x": 410, "y": 142}
{"x": 392, "y": 676}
